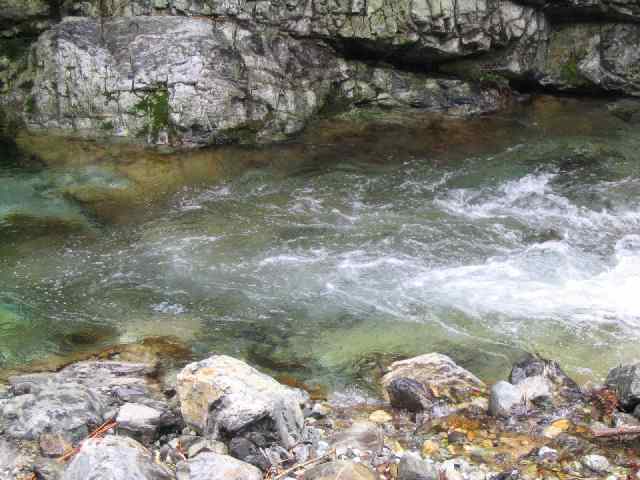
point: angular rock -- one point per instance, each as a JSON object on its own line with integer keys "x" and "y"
{"x": 504, "y": 396}
{"x": 227, "y": 396}
{"x": 212, "y": 466}
{"x": 540, "y": 369}
{"x": 429, "y": 379}
{"x": 596, "y": 463}
{"x": 143, "y": 422}
{"x": 70, "y": 402}
{"x": 339, "y": 470}
{"x": 625, "y": 381}
{"x": 412, "y": 467}
{"x": 69, "y": 409}
{"x": 114, "y": 458}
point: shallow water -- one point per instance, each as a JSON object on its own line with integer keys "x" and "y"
{"x": 328, "y": 257}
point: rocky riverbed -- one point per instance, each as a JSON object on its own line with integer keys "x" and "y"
{"x": 221, "y": 418}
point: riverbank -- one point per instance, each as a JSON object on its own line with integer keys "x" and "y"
{"x": 220, "y": 418}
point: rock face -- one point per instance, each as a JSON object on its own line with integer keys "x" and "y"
{"x": 190, "y": 73}
{"x": 114, "y": 458}
{"x": 224, "y": 396}
{"x": 418, "y": 383}
{"x": 194, "y": 82}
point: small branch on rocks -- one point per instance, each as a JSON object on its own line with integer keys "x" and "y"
{"x": 616, "y": 432}
{"x": 303, "y": 466}
{"x": 97, "y": 433}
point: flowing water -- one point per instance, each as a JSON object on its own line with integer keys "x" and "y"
{"x": 331, "y": 255}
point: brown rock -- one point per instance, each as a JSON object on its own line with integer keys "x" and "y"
{"x": 415, "y": 383}
{"x": 53, "y": 445}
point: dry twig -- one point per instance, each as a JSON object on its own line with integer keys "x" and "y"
{"x": 616, "y": 432}
{"x": 97, "y": 433}
{"x": 304, "y": 465}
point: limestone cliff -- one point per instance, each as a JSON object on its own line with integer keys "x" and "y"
{"x": 198, "y": 72}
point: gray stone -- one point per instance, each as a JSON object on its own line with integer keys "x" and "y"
{"x": 412, "y": 467}
{"x": 212, "y": 466}
{"x": 596, "y": 463}
{"x": 504, "y": 396}
{"x": 625, "y": 381}
{"x": 70, "y": 402}
{"x": 114, "y": 458}
{"x": 143, "y": 422}
{"x": 222, "y": 394}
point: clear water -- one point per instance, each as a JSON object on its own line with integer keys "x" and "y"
{"x": 327, "y": 257}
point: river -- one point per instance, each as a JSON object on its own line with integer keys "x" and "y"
{"x": 330, "y": 255}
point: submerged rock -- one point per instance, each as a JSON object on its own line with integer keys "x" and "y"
{"x": 418, "y": 383}
{"x": 114, "y": 458}
{"x": 212, "y": 466}
{"x": 222, "y": 395}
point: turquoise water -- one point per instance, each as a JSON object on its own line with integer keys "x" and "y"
{"x": 330, "y": 259}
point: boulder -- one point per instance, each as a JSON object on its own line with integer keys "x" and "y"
{"x": 422, "y": 381}
{"x": 73, "y": 401}
{"x": 212, "y": 466}
{"x": 625, "y": 381}
{"x": 114, "y": 458}
{"x": 223, "y": 395}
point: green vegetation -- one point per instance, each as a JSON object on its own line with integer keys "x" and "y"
{"x": 570, "y": 72}
{"x": 30, "y": 105}
{"x": 107, "y": 126}
{"x": 155, "y": 107}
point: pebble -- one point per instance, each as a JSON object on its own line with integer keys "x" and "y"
{"x": 596, "y": 463}
{"x": 380, "y": 417}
